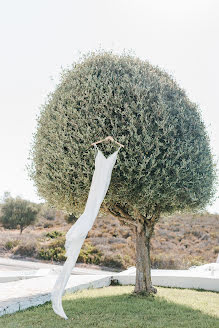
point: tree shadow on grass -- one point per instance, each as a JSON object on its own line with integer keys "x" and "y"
{"x": 119, "y": 311}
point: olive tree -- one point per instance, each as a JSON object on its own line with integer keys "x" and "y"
{"x": 18, "y": 212}
{"x": 166, "y": 164}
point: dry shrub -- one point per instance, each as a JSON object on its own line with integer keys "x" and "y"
{"x": 163, "y": 261}
{"x": 48, "y": 225}
{"x": 117, "y": 246}
{"x": 170, "y": 248}
{"x": 216, "y": 249}
{"x": 194, "y": 260}
{"x": 11, "y": 244}
{"x": 26, "y": 249}
{"x": 113, "y": 261}
{"x": 89, "y": 254}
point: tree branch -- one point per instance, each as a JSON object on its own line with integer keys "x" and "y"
{"x": 125, "y": 217}
{"x": 151, "y": 223}
{"x": 124, "y": 214}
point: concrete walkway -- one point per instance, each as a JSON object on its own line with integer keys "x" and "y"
{"x": 33, "y": 292}
{"x": 8, "y": 265}
{"x": 33, "y": 287}
{"x": 26, "y": 283}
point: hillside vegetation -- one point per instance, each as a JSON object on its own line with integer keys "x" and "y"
{"x": 179, "y": 242}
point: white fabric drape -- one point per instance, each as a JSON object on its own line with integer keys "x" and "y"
{"x": 78, "y": 232}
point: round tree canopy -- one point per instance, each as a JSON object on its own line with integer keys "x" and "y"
{"x": 166, "y": 164}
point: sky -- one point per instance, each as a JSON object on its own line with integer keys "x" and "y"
{"x": 40, "y": 38}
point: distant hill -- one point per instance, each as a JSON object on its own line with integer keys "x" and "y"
{"x": 179, "y": 242}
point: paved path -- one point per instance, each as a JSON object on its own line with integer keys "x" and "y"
{"x": 24, "y": 293}
{"x": 26, "y": 283}
{"x": 33, "y": 292}
{"x": 8, "y": 264}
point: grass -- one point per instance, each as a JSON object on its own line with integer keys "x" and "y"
{"x": 116, "y": 307}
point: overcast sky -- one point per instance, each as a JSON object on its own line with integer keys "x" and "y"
{"x": 40, "y": 37}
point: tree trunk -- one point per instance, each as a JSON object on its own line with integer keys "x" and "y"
{"x": 143, "y": 264}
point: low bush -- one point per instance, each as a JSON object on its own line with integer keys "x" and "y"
{"x": 216, "y": 249}
{"x": 89, "y": 254}
{"x": 54, "y": 234}
{"x": 115, "y": 261}
{"x": 195, "y": 261}
{"x": 70, "y": 218}
{"x": 11, "y": 244}
{"x": 54, "y": 251}
{"x": 128, "y": 261}
{"x": 25, "y": 249}
{"x": 163, "y": 261}
{"x": 48, "y": 225}
{"x": 55, "y": 254}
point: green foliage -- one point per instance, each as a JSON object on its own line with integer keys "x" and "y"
{"x": 166, "y": 164}
{"x": 48, "y": 212}
{"x": 54, "y": 251}
{"x": 115, "y": 282}
{"x": 89, "y": 254}
{"x": 6, "y": 195}
{"x": 55, "y": 254}
{"x": 18, "y": 212}
{"x": 216, "y": 249}
{"x": 10, "y": 244}
{"x": 70, "y": 218}
{"x": 54, "y": 234}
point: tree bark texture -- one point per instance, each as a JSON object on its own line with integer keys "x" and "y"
{"x": 144, "y": 227}
{"x": 143, "y": 264}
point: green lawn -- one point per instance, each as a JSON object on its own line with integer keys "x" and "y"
{"x": 115, "y": 306}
